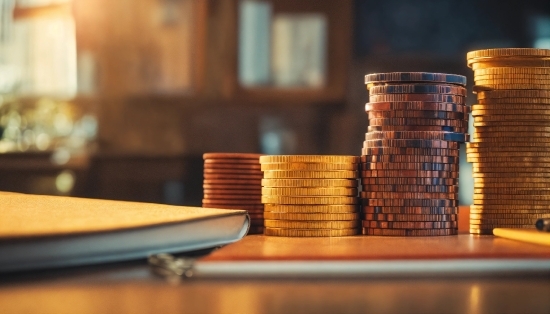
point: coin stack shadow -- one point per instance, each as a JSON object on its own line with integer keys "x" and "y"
{"x": 233, "y": 181}
{"x": 511, "y": 140}
{"x": 310, "y": 196}
{"x": 410, "y": 156}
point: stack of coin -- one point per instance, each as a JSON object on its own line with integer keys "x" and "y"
{"x": 511, "y": 140}
{"x": 410, "y": 157}
{"x": 233, "y": 181}
{"x": 310, "y": 196}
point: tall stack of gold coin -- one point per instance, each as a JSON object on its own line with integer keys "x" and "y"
{"x": 310, "y": 196}
{"x": 409, "y": 162}
{"x": 510, "y": 146}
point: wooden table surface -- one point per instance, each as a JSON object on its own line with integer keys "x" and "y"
{"x": 131, "y": 287}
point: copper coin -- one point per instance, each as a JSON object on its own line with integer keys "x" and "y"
{"x": 410, "y": 232}
{"x": 410, "y": 210}
{"x": 417, "y": 105}
{"x": 409, "y": 159}
{"x": 409, "y": 202}
{"x": 372, "y": 114}
{"x": 416, "y": 128}
{"x": 256, "y": 172}
{"x": 222, "y": 202}
{"x": 420, "y": 135}
{"x": 231, "y": 156}
{"x": 407, "y": 181}
{"x": 253, "y": 187}
{"x": 409, "y": 224}
{"x": 232, "y": 166}
{"x": 368, "y": 151}
{"x": 425, "y": 77}
{"x": 232, "y": 176}
{"x": 214, "y": 196}
{"x": 233, "y": 161}
{"x": 404, "y": 88}
{"x": 417, "y": 97}
{"x": 247, "y": 207}
{"x": 409, "y": 217}
{"x": 408, "y": 174}
{"x": 411, "y": 143}
{"x": 411, "y": 188}
{"x": 234, "y": 181}
{"x": 408, "y": 195}
{"x": 431, "y": 166}
{"x": 233, "y": 192}
{"x": 418, "y": 122}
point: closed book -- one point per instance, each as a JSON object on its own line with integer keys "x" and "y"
{"x": 38, "y": 231}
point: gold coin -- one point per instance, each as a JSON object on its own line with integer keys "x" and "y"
{"x": 519, "y": 185}
{"x": 312, "y": 216}
{"x": 501, "y": 225}
{"x": 309, "y": 183}
{"x": 505, "y": 151}
{"x": 515, "y": 180}
{"x": 280, "y": 232}
{"x": 506, "y": 159}
{"x": 511, "y": 146}
{"x": 513, "y": 94}
{"x": 487, "y": 196}
{"x": 509, "y": 216}
{"x": 506, "y": 108}
{"x": 302, "y": 200}
{"x": 510, "y": 62}
{"x": 510, "y": 202}
{"x": 502, "y": 53}
{"x": 510, "y": 209}
{"x": 516, "y": 140}
{"x": 309, "y": 159}
{"x": 317, "y": 191}
{"x": 513, "y": 100}
{"x": 506, "y": 221}
{"x": 512, "y": 71}
{"x": 328, "y": 209}
{"x": 515, "y": 118}
{"x": 308, "y": 166}
{"x": 297, "y": 224}
{"x": 511, "y": 77}
{"x": 498, "y": 174}
{"x": 310, "y": 209}
{"x": 512, "y": 191}
{"x": 512, "y": 169}
{"x": 510, "y": 81}
{"x": 488, "y": 122}
{"x": 501, "y": 112}
{"x": 484, "y": 134}
{"x": 283, "y": 174}
{"x": 510, "y": 164}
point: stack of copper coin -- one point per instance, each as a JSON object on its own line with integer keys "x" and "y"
{"x": 410, "y": 157}
{"x": 510, "y": 147}
{"x": 233, "y": 181}
{"x": 310, "y": 196}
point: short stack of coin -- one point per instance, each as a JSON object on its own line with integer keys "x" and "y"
{"x": 233, "y": 181}
{"x": 310, "y": 196}
{"x": 410, "y": 157}
{"x": 510, "y": 146}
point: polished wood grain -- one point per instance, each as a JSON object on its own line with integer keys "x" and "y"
{"x": 259, "y": 247}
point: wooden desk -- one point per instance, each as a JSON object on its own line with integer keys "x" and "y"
{"x": 131, "y": 288}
